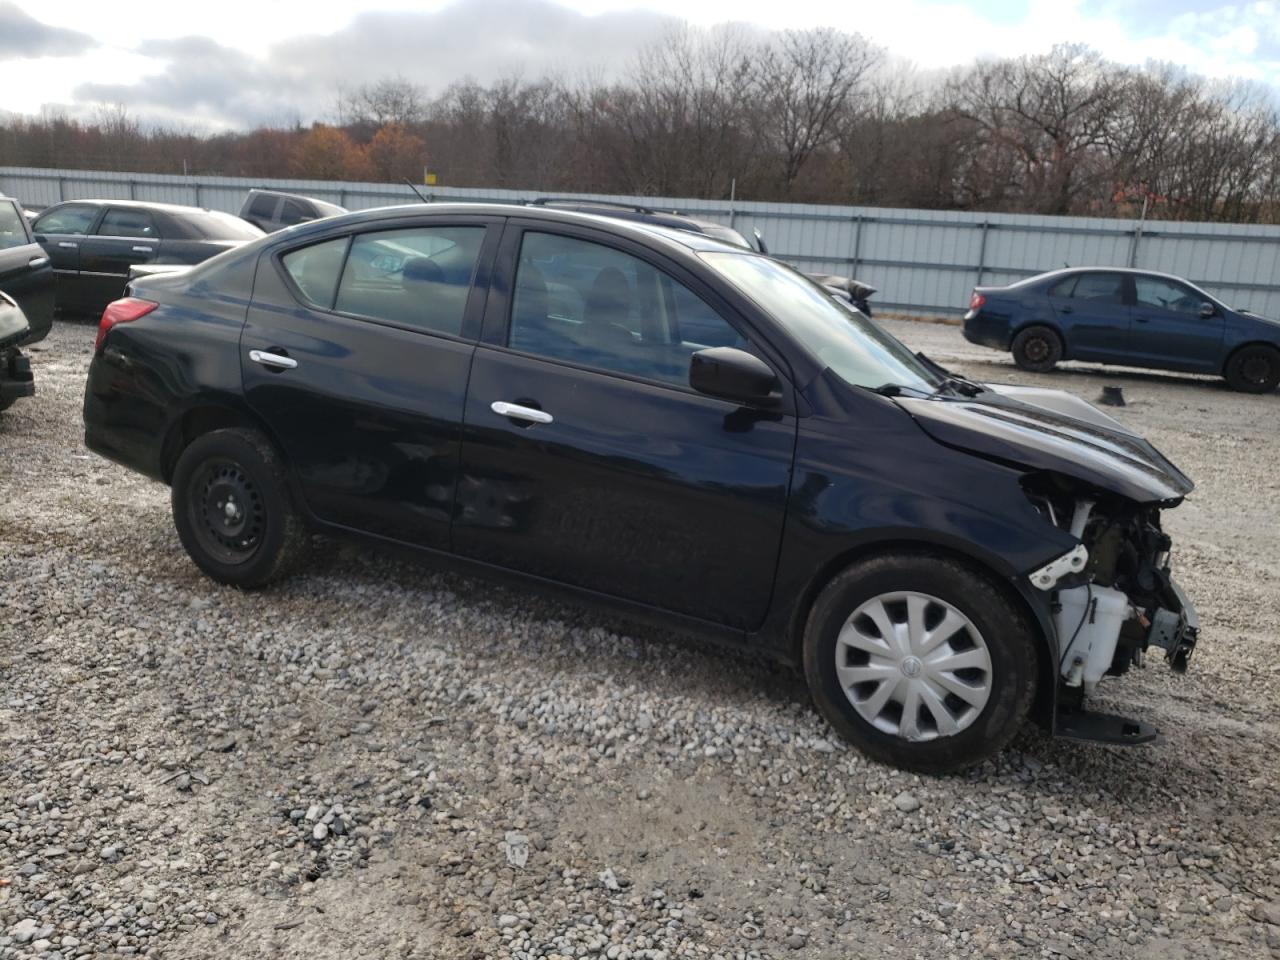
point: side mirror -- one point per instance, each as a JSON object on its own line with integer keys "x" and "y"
{"x": 733, "y": 374}
{"x": 1207, "y": 310}
{"x": 760, "y": 241}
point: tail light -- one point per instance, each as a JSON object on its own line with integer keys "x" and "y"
{"x": 121, "y": 311}
{"x": 977, "y": 301}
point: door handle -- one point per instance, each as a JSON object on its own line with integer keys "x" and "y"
{"x": 37, "y": 261}
{"x": 1066, "y": 309}
{"x": 67, "y": 244}
{"x": 272, "y": 359}
{"x": 517, "y": 412}
{"x": 1142, "y": 319}
{"x": 142, "y": 249}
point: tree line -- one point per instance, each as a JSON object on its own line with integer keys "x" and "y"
{"x": 816, "y": 116}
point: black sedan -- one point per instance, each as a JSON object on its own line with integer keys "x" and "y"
{"x": 518, "y": 391}
{"x": 93, "y": 243}
{"x": 1131, "y": 317}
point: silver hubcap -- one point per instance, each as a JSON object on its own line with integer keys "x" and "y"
{"x": 913, "y": 666}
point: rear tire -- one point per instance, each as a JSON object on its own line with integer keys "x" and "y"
{"x": 1254, "y": 369}
{"x": 1037, "y": 348}
{"x": 233, "y": 510}
{"x": 959, "y": 688}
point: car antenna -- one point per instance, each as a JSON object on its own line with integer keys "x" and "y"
{"x": 416, "y": 190}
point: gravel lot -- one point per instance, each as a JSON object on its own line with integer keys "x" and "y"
{"x": 378, "y": 760}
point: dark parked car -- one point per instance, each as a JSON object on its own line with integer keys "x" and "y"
{"x": 93, "y": 243}
{"x": 270, "y": 210}
{"x": 517, "y": 390}
{"x": 1130, "y": 317}
{"x": 26, "y": 314}
{"x": 846, "y": 288}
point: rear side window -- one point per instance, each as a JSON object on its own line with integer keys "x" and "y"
{"x": 1063, "y": 288}
{"x": 73, "y": 219}
{"x": 13, "y": 232}
{"x": 127, "y": 223}
{"x": 263, "y": 206}
{"x": 419, "y": 277}
{"x": 315, "y": 270}
{"x": 293, "y": 212}
{"x": 1100, "y": 288}
{"x": 589, "y": 304}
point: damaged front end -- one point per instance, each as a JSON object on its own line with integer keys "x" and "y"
{"x": 1113, "y": 599}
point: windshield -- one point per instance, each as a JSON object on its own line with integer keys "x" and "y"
{"x": 851, "y": 345}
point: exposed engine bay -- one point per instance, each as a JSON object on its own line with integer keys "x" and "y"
{"x": 1113, "y": 597}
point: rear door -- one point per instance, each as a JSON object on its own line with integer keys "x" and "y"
{"x": 60, "y": 231}
{"x": 1093, "y": 314}
{"x": 124, "y": 236}
{"x": 25, "y": 271}
{"x": 356, "y": 353}
{"x": 588, "y": 459}
{"x": 1168, "y": 330}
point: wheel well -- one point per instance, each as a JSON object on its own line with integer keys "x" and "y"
{"x": 1245, "y": 346}
{"x": 1045, "y": 683}
{"x": 197, "y": 422}
{"x": 1048, "y": 325}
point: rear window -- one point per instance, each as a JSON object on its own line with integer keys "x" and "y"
{"x": 13, "y": 231}
{"x": 127, "y": 223}
{"x": 214, "y": 225}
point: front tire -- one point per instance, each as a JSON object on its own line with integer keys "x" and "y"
{"x": 233, "y": 510}
{"x": 1254, "y": 369}
{"x": 1037, "y": 349}
{"x": 920, "y": 662}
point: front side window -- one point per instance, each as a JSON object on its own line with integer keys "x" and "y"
{"x": 13, "y": 232}
{"x": 1165, "y": 295}
{"x": 419, "y": 277}
{"x": 589, "y": 304}
{"x": 315, "y": 269}
{"x": 74, "y": 219}
{"x": 127, "y": 223}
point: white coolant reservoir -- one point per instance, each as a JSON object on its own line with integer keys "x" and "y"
{"x": 1089, "y": 620}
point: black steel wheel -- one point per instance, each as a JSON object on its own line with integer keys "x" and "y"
{"x": 1254, "y": 369}
{"x": 232, "y": 508}
{"x": 1037, "y": 348}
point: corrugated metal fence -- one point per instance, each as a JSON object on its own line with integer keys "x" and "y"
{"x": 922, "y": 261}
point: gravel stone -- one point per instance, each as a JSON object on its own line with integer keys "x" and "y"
{"x": 326, "y": 769}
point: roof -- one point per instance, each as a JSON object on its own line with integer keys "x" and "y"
{"x": 171, "y": 208}
{"x": 639, "y": 229}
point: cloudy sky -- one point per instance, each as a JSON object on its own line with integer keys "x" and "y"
{"x": 237, "y": 63}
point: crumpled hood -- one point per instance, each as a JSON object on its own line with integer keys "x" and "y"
{"x": 1051, "y": 430}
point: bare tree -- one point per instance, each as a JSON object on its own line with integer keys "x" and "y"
{"x": 806, "y": 81}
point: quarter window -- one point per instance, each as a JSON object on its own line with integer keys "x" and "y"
{"x": 419, "y": 277}
{"x": 315, "y": 269}
{"x": 1164, "y": 295}
{"x": 74, "y": 220}
{"x": 127, "y": 223}
{"x": 590, "y": 304}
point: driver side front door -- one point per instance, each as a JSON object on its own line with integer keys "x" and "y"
{"x": 1168, "y": 330}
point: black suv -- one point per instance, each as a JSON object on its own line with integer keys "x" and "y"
{"x": 663, "y": 422}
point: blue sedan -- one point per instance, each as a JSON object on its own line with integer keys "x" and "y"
{"x": 1130, "y": 317}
